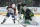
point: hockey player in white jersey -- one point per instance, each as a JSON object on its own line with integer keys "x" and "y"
{"x": 11, "y": 11}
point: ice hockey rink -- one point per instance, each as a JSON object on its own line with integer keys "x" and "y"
{"x": 9, "y": 22}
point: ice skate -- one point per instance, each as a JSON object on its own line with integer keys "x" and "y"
{"x": 3, "y": 22}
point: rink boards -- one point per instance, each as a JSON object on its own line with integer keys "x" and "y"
{"x": 35, "y": 10}
{"x": 17, "y": 13}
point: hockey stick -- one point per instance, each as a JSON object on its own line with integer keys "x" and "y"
{"x": 22, "y": 24}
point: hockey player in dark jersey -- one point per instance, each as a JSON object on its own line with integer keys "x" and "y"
{"x": 11, "y": 11}
{"x": 28, "y": 15}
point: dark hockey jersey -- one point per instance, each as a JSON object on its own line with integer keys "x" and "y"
{"x": 28, "y": 13}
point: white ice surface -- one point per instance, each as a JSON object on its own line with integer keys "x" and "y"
{"x": 9, "y": 22}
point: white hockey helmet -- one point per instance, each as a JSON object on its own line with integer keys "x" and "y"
{"x": 13, "y": 5}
